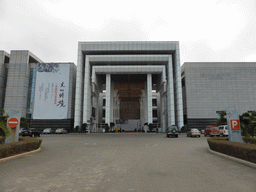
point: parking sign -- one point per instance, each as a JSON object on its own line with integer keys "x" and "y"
{"x": 234, "y": 124}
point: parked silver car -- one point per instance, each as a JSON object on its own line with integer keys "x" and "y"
{"x": 48, "y": 131}
{"x": 61, "y": 131}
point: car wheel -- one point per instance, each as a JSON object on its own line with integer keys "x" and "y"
{"x": 199, "y": 135}
{"x": 205, "y": 135}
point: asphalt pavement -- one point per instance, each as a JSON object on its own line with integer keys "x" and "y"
{"x": 124, "y": 162}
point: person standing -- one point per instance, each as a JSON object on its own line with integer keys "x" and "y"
{"x": 145, "y": 128}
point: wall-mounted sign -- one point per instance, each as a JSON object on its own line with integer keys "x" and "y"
{"x": 51, "y": 91}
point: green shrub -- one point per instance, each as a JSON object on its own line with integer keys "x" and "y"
{"x": 243, "y": 151}
{"x": 249, "y": 140}
{"x": 2, "y": 139}
{"x": 24, "y": 144}
{"x": 218, "y": 138}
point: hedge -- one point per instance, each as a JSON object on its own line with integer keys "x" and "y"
{"x": 249, "y": 140}
{"x": 2, "y": 140}
{"x": 243, "y": 151}
{"x": 24, "y": 144}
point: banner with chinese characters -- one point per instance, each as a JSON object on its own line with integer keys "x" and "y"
{"x": 51, "y": 91}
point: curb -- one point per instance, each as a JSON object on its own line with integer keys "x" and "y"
{"x": 247, "y": 163}
{"x": 18, "y": 155}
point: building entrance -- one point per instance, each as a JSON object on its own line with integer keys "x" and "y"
{"x": 129, "y": 88}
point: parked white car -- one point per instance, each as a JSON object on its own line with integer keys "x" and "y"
{"x": 193, "y": 133}
{"x": 223, "y": 130}
{"x": 61, "y": 131}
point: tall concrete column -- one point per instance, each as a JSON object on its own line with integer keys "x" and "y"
{"x": 178, "y": 89}
{"x": 170, "y": 93}
{"x": 108, "y": 99}
{"x": 146, "y": 105}
{"x": 79, "y": 90}
{"x": 87, "y": 92}
{"x": 112, "y": 102}
{"x": 149, "y": 96}
{"x": 142, "y": 107}
{"x": 115, "y": 105}
{"x": 163, "y": 112}
{"x": 96, "y": 99}
{"x": 118, "y": 108}
{"x": 100, "y": 108}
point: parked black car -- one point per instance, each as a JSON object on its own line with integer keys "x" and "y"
{"x": 32, "y": 132}
{"x": 172, "y": 131}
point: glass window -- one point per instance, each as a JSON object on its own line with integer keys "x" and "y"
{"x": 154, "y": 102}
{"x": 154, "y": 113}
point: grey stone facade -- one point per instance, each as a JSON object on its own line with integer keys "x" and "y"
{"x": 18, "y": 81}
{"x": 4, "y": 60}
{"x": 72, "y": 88}
{"x": 216, "y": 86}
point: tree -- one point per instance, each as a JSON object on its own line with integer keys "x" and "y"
{"x": 76, "y": 128}
{"x": 248, "y": 122}
{"x": 150, "y": 126}
{"x": 2, "y": 111}
{"x": 107, "y": 127}
{"x": 83, "y": 127}
{"x": 24, "y": 123}
{"x": 112, "y": 124}
{"x": 222, "y": 120}
{"x": 4, "y": 131}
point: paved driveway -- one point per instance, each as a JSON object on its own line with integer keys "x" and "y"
{"x": 124, "y": 162}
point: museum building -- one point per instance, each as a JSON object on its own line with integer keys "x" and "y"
{"x": 125, "y": 83}
{"x": 127, "y": 77}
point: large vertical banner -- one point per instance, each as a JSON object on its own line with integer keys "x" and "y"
{"x": 51, "y": 91}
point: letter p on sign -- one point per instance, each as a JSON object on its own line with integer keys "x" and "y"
{"x": 234, "y": 124}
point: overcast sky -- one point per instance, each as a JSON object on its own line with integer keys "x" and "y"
{"x": 208, "y": 30}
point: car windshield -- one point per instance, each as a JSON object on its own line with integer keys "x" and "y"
{"x": 194, "y": 129}
{"x": 215, "y": 128}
